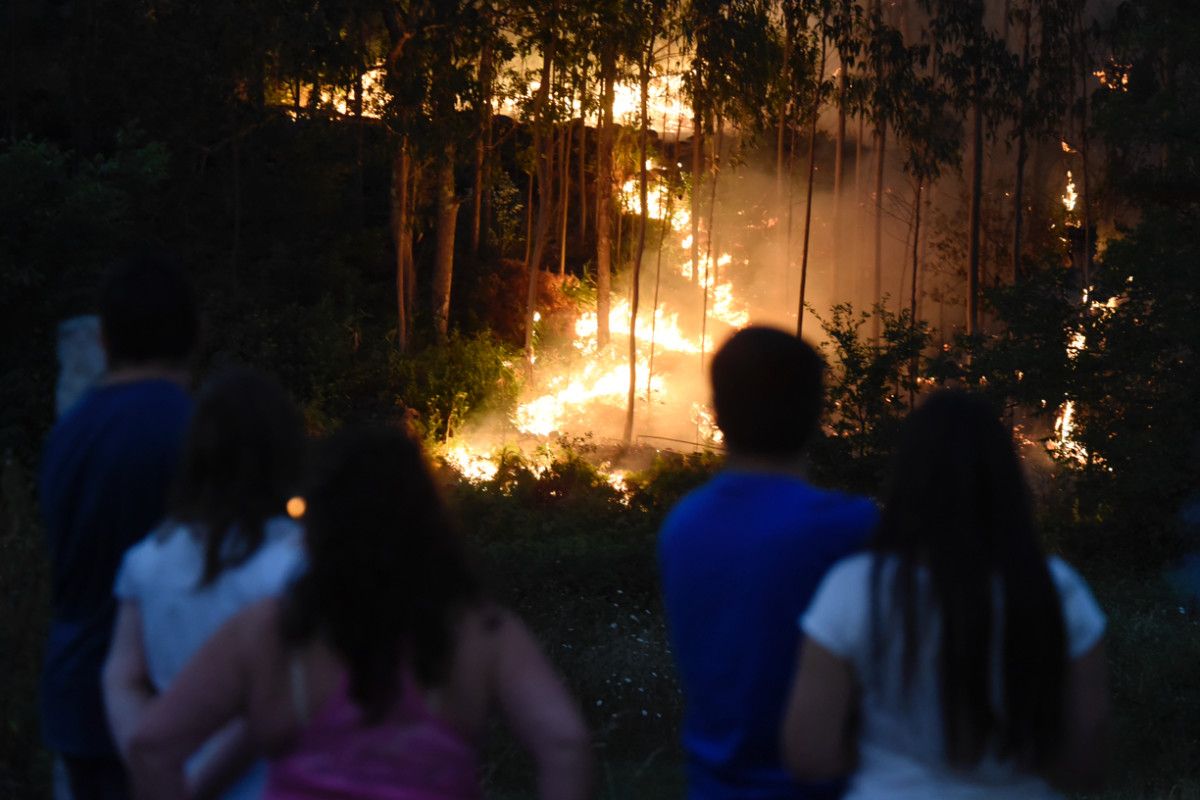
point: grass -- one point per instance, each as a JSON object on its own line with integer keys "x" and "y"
{"x": 578, "y": 563}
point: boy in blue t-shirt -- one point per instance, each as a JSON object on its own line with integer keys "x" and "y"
{"x": 106, "y": 469}
{"x": 741, "y": 558}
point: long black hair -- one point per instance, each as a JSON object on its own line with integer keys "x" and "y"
{"x": 242, "y": 460}
{"x": 388, "y": 574}
{"x": 958, "y": 505}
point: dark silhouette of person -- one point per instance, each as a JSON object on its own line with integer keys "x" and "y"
{"x": 105, "y": 472}
{"x": 741, "y": 556}
{"x": 375, "y": 675}
{"x": 954, "y": 659}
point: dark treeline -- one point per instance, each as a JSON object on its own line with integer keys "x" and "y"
{"x": 352, "y": 182}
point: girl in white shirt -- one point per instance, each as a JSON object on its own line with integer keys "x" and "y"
{"x": 226, "y": 544}
{"x": 953, "y": 660}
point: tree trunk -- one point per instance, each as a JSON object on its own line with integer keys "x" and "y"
{"x": 877, "y": 285}
{"x": 812, "y": 169}
{"x": 1085, "y": 184}
{"x": 543, "y": 146}
{"x": 604, "y": 189}
{"x": 447, "y": 222}
{"x": 528, "y": 220}
{"x": 839, "y": 174}
{"x": 709, "y": 261}
{"x": 668, "y": 215}
{"x": 360, "y": 190}
{"x": 914, "y": 363}
{"x": 401, "y": 238}
{"x": 636, "y": 280}
{"x": 485, "y": 121}
{"x": 566, "y": 199}
{"x": 783, "y": 108}
{"x": 974, "y": 221}
{"x": 924, "y": 239}
{"x": 697, "y": 178}
{"x": 410, "y": 273}
{"x": 859, "y": 210}
{"x": 912, "y": 301}
{"x": 583, "y": 204}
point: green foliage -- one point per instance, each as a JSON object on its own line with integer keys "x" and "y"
{"x": 870, "y": 386}
{"x": 1151, "y": 130}
{"x": 1137, "y": 380}
{"x": 1024, "y": 364}
{"x": 508, "y": 214}
{"x": 466, "y": 377}
{"x": 65, "y": 219}
{"x": 656, "y": 489}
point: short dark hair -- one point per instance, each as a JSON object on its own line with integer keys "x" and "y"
{"x": 767, "y": 391}
{"x": 148, "y": 311}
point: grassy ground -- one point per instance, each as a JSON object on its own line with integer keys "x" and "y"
{"x": 1154, "y": 654}
{"x": 578, "y": 564}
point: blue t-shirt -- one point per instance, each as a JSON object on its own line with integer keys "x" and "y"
{"x": 106, "y": 470}
{"x": 741, "y": 558}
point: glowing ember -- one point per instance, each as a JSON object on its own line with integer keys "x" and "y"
{"x": 296, "y": 507}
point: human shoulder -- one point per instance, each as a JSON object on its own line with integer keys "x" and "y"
{"x": 150, "y": 557}
{"x": 1084, "y": 620}
{"x": 838, "y": 614}
{"x": 850, "y": 574}
{"x": 690, "y": 510}
{"x": 283, "y": 546}
{"x": 853, "y": 509}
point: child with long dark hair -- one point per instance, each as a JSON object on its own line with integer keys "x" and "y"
{"x": 226, "y": 543}
{"x": 954, "y": 659}
{"x": 375, "y": 675}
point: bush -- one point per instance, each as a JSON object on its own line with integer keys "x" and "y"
{"x": 467, "y": 377}
{"x": 870, "y": 387}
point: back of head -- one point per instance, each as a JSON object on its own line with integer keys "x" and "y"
{"x": 767, "y": 392}
{"x": 148, "y": 313}
{"x": 388, "y": 574}
{"x": 957, "y": 503}
{"x": 242, "y": 460}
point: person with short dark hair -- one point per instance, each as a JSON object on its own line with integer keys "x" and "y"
{"x": 375, "y": 676}
{"x": 953, "y": 660}
{"x": 740, "y": 558}
{"x": 227, "y": 543}
{"x": 105, "y": 472}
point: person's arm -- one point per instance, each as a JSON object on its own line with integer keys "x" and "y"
{"x": 1086, "y": 715}
{"x": 207, "y": 694}
{"x": 816, "y": 737}
{"x": 127, "y": 688}
{"x": 231, "y": 759}
{"x": 542, "y": 714}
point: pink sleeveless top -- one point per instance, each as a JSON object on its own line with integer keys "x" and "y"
{"x": 410, "y": 755}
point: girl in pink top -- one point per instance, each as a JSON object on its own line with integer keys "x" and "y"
{"x": 374, "y": 677}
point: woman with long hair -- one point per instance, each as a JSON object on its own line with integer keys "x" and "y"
{"x": 375, "y": 675}
{"x": 954, "y": 659}
{"x": 226, "y": 544}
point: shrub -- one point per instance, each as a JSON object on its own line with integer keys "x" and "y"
{"x": 465, "y": 378}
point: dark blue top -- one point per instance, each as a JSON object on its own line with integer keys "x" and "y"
{"x": 741, "y": 558}
{"x": 106, "y": 470}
